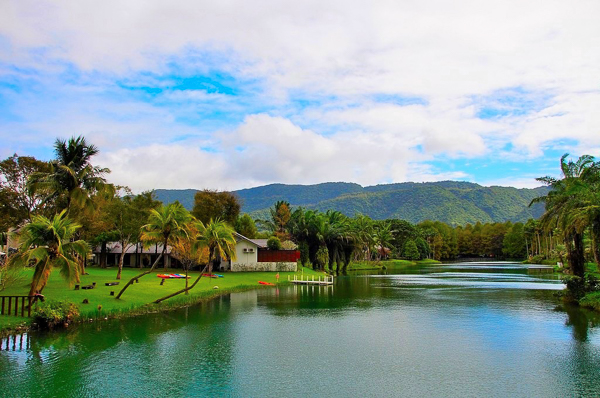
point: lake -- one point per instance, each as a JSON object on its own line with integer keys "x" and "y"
{"x": 458, "y": 330}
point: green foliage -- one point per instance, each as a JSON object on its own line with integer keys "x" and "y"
{"x": 17, "y": 203}
{"x": 212, "y": 205}
{"x": 273, "y": 243}
{"x": 578, "y": 287}
{"x": 50, "y": 314}
{"x": 72, "y": 179}
{"x": 46, "y": 244}
{"x": 410, "y": 251}
{"x": 514, "y": 242}
{"x": 452, "y": 202}
{"x": 321, "y": 258}
{"x": 245, "y": 225}
{"x": 303, "y": 247}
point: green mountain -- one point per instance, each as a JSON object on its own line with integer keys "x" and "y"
{"x": 453, "y": 202}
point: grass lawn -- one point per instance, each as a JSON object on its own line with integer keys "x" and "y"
{"x": 138, "y": 296}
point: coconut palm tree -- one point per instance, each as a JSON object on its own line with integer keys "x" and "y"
{"x": 165, "y": 224}
{"x": 71, "y": 177}
{"x": 564, "y": 207}
{"x": 46, "y": 243}
{"x": 218, "y": 237}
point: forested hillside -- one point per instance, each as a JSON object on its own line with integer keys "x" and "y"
{"x": 452, "y": 202}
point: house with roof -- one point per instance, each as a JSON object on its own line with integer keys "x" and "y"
{"x": 254, "y": 255}
{"x": 251, "y": 255}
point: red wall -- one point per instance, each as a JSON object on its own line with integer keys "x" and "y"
{"x": 278, "y": 256}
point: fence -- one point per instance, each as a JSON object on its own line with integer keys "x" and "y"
{"x": 14, "y": 309}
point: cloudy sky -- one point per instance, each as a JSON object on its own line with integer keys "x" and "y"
{"x": 232, "y": 94}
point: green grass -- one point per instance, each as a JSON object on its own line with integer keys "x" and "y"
{"x": 379, "y": 265}
{"x": 137, "y": 298}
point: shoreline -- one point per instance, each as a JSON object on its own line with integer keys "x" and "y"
{"x": 138, "y": 300}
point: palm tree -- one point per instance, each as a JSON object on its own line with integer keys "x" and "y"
{"x": 165, "y": 224}
{"x": 47, "y": 244}
{"x": 218, "y": 237}
{"x": 565, "y": 203}
{"x": 71, "y": 174}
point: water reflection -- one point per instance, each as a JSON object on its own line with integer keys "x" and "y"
{"x": 429, "y": 331}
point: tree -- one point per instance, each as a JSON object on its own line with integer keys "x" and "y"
{"x": 280, "y": 216}
{"x": 212, "y": 205}
{"x": 274, "y": 243}
{"x": 71, "y": 179}
{"x": 565, "y": 207}
{"x": 410, "y": 250}
{"x": 218, "y": 237}
{"x": 514, "y": 242}
{"x": 17, "y": 203}
{"x": 126, "y": 219}
{"x": 48, "y": 244}
{"x": 245, "y": 226}
{"x": 166, "y": 223}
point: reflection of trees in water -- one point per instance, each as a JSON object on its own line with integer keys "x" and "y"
{"x": 580, "y": 321}
{"x": 192, "y": 342}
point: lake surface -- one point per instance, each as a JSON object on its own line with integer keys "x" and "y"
{"x": 460, "y": 330}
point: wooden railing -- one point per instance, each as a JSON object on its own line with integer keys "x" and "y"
{"x": 13, "y": 309}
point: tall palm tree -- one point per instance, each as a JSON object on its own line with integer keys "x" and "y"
{"x": 165, "y": 223}
{"x": 47, "y": 243}
{"x": 218, "y": 237}
{"x": 564, "y": 204}
{"x": 71, "y": 177}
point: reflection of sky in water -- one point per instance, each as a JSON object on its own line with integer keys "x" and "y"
{"x": 434, "y": 333}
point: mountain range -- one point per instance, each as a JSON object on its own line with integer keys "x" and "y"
{"x": 453, "y": 202}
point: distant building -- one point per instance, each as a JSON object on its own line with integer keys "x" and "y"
{"x": 136, "y": 256}
{"x": 253, "y": 255}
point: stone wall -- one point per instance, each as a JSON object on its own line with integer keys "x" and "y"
{"x": 279, "y": 267}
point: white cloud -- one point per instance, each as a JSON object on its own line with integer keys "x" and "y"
{"x": 341, "y": 53}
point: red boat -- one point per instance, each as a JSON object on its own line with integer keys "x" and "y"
{"x": 210, "y": 275}
{"x": 266, "y": 283}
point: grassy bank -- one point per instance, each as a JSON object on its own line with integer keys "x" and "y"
{"x": 591, "y": 300}
{"x": 387, "y": 264}
{"x": 136, "y": 300}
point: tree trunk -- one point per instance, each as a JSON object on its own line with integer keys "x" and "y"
{"x": 121, "y": 257}
{"x": 165, "y": 255}
{"x": 142, "y": 274}
{"x": 186, "y": 289}
{"x": 596, "y": 242}
{"x": 103, "y": 255}
{"x": 576, "y": 255}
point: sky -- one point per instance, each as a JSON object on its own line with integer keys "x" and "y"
{"x": 233, "y": 94}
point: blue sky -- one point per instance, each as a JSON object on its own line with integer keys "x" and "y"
{"x": 192, "y": 94}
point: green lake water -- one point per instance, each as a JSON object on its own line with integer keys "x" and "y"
{"x": 459, "y": 330}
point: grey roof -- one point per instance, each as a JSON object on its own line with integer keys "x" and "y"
{"x": 257, "y": 242}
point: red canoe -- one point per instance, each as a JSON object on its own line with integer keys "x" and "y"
{"x": 266, "y": 283}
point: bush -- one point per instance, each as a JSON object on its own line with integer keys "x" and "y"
{"x": 50, "y": 314}
{"x": 321, "y": 258}
{"x": 304, "y": 253}
{"x": 273, "y": 243}
{"x": 578, "y": 287}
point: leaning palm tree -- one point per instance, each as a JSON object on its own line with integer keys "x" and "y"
{"x": 71, "y": 177}
{"x": 46, "y": 243}
{"x": 164, "y": 225}
{"x": 218, "y": 237}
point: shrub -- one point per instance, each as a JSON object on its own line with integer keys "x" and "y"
{"x": 578, "y": 287}
{"x": 50, "y": 314}
{"x": 321, "y": 258}
{"x": 273, "y": 243}
{"x": 288, "y": 245}
{"x": 304, "y": 253}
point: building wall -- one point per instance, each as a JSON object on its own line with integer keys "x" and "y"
{"x": 272, "y": 266}
{"x": 242, "y": 258}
